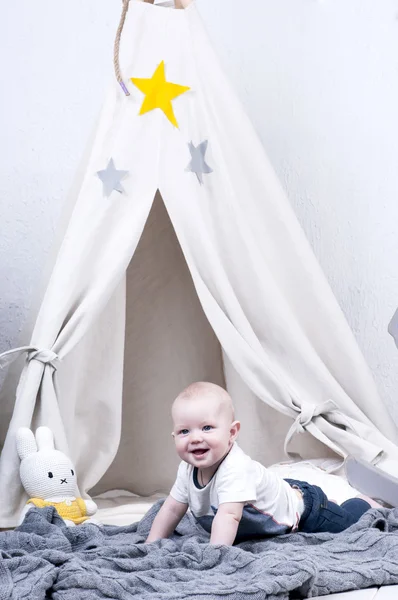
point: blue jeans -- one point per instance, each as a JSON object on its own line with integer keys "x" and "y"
{"x": 322, "y": 515}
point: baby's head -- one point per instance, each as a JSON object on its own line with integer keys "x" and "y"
{"x": 204, "y": 425}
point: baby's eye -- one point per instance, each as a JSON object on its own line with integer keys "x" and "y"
{"x": 207, "y": 427}
{"x": 72, "y": 471}
{"x": 183, "y": 431}
{"x": 50, "y": 475}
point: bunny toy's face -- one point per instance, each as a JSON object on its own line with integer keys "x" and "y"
{"x": 48, "y": 474}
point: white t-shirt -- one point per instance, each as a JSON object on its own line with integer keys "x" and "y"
{"x": 271, "y": 505}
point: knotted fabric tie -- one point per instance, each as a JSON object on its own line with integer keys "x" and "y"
{"x": 47, "y": 357}
{"x": 306, "y": 415}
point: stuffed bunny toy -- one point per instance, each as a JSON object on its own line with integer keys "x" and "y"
{"x": 49, "y": 477}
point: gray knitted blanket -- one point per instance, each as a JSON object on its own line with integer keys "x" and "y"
{"x": 43, "y": 559}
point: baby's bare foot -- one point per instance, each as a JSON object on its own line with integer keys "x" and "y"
{"x": 370, "y": 501}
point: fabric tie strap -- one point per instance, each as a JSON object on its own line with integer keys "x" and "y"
{"x": 306, "y": 415}
{"x": 47, "y": 357}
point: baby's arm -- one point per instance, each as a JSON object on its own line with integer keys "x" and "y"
{"x": 167, "y": 519}
{"x": 226, "y": 522}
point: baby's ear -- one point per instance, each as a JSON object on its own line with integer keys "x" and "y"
{"x": 44, "y": 438}
{"x": 234, "y": 430}
{"x": 26, "y": 443}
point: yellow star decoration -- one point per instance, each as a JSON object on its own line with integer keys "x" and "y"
{"x": 159, "y": 93}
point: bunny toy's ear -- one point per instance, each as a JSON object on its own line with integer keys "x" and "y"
{"x": 26, "y": 443}
{"x": 44, "y": 438}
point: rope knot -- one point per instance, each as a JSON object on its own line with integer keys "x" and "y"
{"x": 305, "y": 416}
{"x": 47, "y": 357}
{"x": 310, "y": 411}
{"x": 307, "y": 412}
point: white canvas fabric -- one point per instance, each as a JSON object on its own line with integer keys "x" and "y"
{"x": 239, "y": 299}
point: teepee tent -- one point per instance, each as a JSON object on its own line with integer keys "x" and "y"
{"x": 183, "y": 261}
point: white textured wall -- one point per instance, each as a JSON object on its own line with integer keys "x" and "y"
{"x": 320, "y": 82}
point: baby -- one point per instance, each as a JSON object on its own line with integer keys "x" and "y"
{"x": 232, "y": 496}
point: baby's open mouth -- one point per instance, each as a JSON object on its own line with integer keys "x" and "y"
{"x": 200, "y": 451}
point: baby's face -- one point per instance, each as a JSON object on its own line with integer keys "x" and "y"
{"x": 202, "y": 432}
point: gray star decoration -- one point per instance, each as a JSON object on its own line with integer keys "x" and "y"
{"x": 111, "y": 178}
{"x": 393, "y": 327}
{"x": 198, "y": 163}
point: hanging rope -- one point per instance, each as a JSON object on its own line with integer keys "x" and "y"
{"x": 117, "y": 47}
{"x": 47, "y": 357}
